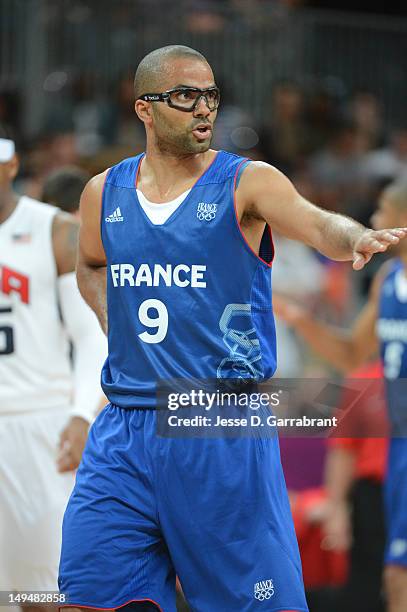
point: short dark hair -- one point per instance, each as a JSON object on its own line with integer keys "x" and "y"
{"x": 150, "y": 70}
{"x": 397, "y": 193}
{"x": 6, "y": 131}
{"x": 64, "y": 186}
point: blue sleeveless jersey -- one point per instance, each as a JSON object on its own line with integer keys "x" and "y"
{"x": 187, "y": 299}
{"x": 392, "y": 333}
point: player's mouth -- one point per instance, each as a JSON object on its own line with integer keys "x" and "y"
{"x": 202, "y": 131}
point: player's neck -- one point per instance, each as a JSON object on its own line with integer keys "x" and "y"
{"x": 168, "y": 172}
{"x": 8, "y": 202}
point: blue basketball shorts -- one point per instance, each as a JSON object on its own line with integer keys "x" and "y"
{"x": 213, "y": 512}
{"x": 395, "y": 493}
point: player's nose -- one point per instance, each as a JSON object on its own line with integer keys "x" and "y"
{"x": 201, "y": 109}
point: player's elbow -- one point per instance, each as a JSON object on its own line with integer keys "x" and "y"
{"x": 82, "y": 273}
{"x": 353, "y": 357}
{"x": 343, "y": 355}
{"x": 85, "y": 273}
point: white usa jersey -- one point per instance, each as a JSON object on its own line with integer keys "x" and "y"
{"x": 35, "y": 369}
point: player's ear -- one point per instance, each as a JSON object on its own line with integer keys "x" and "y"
{"x": 13, "y": 167}
{"x": 144, "y": 111}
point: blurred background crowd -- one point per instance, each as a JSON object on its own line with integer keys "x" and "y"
{"x": 318, "y": 93}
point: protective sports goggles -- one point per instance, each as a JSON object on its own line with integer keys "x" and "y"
{"x": 185, "y": 98}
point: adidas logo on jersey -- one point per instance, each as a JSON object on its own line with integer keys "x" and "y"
{"x": 114, "y": 217}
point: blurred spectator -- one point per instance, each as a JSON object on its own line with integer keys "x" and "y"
{"x": 90, "y": 116}
{"x": 62, "y": 150}
{"x": 10, "y": 118}
{"x": 324, "y": 569}
{"x": 205, "y": 16}
{"x": 63, "y": 188}
{"x": 47, "y": 154}
{"x": 59, "y": 104}
{"x": 365, "y": 111}
{"x": 304, "y": 284}
{"x": 127, "y": 129}
{"x": 391, "y": 160}
{"x": 337, "y": 170}
{"x": 6, "y": 131}
{"x": 323, "y": 108}
{"x": 284, "y": 135}
{"x": 355, "y": 469}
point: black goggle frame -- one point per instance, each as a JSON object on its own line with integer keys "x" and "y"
{"x": 165, "y": 96}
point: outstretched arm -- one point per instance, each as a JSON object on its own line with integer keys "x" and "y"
{"x": 91, "y": 263}
{"x": 344, "y": 350}
{"x": 339, "y": 478}
{"x": 268, "y": 195}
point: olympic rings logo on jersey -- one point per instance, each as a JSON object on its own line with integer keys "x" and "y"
{"x": 206, "y": 212}
{"x": 262, "y": 595}
{"x": 263, "y": 590}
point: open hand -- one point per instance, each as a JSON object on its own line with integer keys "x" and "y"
{"x": 71, "y": 444}
{"x": 373, "y": 241}
{"x": 337, "y": 527}
{"x": 287, "y": 310}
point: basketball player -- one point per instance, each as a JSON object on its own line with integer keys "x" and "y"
{"x": 40, "y": 310}
{"x": 382, "y": 324}
{"x": 63, "y": 188}
{"x": 177, "y": 237}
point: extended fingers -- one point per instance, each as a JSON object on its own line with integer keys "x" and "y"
{"x": 375, "y": 242}
{"x": 375, "y": 245}
{"x": 382, "y": 239}
{"x": 392, "y": 235}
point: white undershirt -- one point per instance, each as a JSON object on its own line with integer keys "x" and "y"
{"x": 159, "y": 213}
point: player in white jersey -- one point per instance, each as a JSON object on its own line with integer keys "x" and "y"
{"x": 41, "y": 392}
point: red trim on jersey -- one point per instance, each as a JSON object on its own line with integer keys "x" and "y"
{"x": 71, "y": 605}
{"x": 268, "y": 264}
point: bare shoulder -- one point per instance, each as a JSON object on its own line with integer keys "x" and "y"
{"x": 65, "y": 229}
{"x": 260, "y": 179}
{"x": 92, "y": 194}
{"x": 65, "y": 232}
{"x": 258, "y": 173}
{"x": 266, "y": 193}
{"x": 90, "y": 240}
